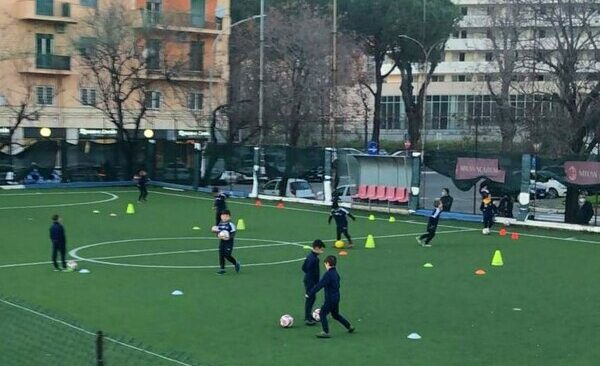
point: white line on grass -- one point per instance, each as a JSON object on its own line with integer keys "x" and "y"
{"x": 299, "y": 244}
{"x": 46, "y": 316}
{"x": 112, "y": 198}
{"x": 382, "y": 219}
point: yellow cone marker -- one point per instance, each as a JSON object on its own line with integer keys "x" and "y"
{"x": 428, "y": 265}
{"x": 370, "y": 243}
{"x": 241, "y": 225}
{"x": 497, "y": 259}
{"x": 392, "y": 219}
{"x": 130, "y": 209}
{"x": 196, "y": 228}
{"x": 371, "y": 217}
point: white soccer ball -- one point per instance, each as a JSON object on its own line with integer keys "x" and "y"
{"x": 214, "y": 229}
{"x": 485, "y": 231}
{"x": 224, "y": 235}
{"x": 317, "y": 315}
{"x": 72, "y": 265}
{"x": 286, "y": 321}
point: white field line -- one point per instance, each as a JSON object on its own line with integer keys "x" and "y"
{"x": 48, "y": 317}
{"x": 112, "y": 198}
{"x": 301, "y": 243}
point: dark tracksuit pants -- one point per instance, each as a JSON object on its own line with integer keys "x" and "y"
{"x": 429, "y": 235}
{"x": 218, "y": 218}
{"x": 58, "y": 248}
{"x": 309, "y": 302}
{"x": 488, "y": 221}
{"x": 143, "y": 192}
{"x": 343, "y": 230}
{"x": 225, "y": 251}
{"x": 332, "y": 306}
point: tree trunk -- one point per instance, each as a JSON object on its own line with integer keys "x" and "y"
{"x": 377, "y": 95}
{"x": 413, "y": 111}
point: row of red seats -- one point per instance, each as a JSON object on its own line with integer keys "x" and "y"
{"x": 382, "y": 193}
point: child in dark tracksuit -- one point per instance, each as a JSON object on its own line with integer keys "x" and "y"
{"x": 426, "y": 238}
{"x": 331, "y": 283}
{"x": 341, "y": 215}
{"x": 489, "y": 210}
{"x": 59, "y": 243}
{"x": 142, "y": 183}
{"x": 310, "y": 267}
{"x": 226, "y": 246}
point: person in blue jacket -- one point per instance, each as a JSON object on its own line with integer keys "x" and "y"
{"x": 59, "y": 243}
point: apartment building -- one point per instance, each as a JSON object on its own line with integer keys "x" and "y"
{"x": 458, "y": 98}
{"x": 41, "y": 71}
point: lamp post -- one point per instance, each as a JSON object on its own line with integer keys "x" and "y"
{"x": 536, "y": 150}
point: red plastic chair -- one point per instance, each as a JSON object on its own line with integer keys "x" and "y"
{"x": 371, "y": 190}
{"x": 362, "y": 191}
{"x": 380, "y": 195}
{"x": 401, "y": 195}
{"x": 390, "y": 193}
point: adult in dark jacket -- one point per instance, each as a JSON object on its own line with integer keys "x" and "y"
{"x": 59, "y": 242}
{"x": 446, "y": 199}
{"x": 505, "y": 208}
{"x": 585, "y": 211}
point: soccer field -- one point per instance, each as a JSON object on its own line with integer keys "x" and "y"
{"x": 540, "y": 308}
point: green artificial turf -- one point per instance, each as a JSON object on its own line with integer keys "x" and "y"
{"x": 551, "y": 277}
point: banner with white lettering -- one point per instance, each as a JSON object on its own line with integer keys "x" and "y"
{"x": 582, "y": 173}
{"x": 472, "y": 168}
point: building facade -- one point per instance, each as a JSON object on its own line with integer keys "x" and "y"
{"x": 42, "y": 73}
{"x": 458, "y": 98}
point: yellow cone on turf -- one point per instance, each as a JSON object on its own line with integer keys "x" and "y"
{"x": 371, "y": 217}
{"x": 370, "y": 243}
{"x": 497, "y": 259}
{"x": 130, "y": 209}
{"x": 241, "y": 225}
{"x": 392, "y": 219}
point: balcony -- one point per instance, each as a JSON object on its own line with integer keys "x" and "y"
{"x": 181, "y": 22}
{"x": 45, "y": 10}
{"x": 48, "y": 65}
{"x": 183, "y": 75}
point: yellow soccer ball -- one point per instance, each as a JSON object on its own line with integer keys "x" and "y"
{"x": 339, "y": 244}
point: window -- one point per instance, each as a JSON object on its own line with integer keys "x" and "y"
{"x": 87, "y": 96}
{"x": 89, "y": 3}
{"x": 153, "y": 56}
{"x": 87, "y": 46}
{"x": 489, "y": 34}
{"x": 195, "y": 101}
{"x": 44, "y": 44}
{"x": 44, "y": 95}
{"x": 489, "y": 56}
{"x": 463, "y": 34}
{"x": 464, "y": 10}
{"x": 197, "y": 56}
{"x": 539, "y": 78}
{"x": 437, "y": 78}
{"x": 541, "y": 33}
{"x": 2, "y": 100}
{"x": 461, "y": 57}
{"x": 152, "y": 100}
{"x": 456, "y": 34}
{"x": 461, "y": 78}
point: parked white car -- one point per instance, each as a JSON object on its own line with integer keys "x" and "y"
{"x": 298, "y": 188}
{"x": 554, "y": 188}
{"x": 230, "y": 176}
{"x": 345, "y": 192}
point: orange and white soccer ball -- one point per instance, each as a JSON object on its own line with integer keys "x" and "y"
{"x": 317, "y": 314}
{"x": 286, "y": 321}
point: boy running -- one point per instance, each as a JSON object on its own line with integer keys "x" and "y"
{"x": 331, "y": 283}
{"x": 341, "y": 215}
{"x": 226, "y": 243}
{"x": 311, "y": 278}
{"x": 426, "y": 238}
{"x": 220, "y": 205}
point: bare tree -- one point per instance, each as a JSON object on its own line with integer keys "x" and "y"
{"x": 118, "y": 58}
{"x": 506, "y": 21}
{"x": 568, "y": 56}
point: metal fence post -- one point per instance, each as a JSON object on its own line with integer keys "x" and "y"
{"x": 100, "y": 349}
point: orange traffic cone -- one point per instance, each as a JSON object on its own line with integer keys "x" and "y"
{"x": 479, "y": 272}
{"x": 280, "y": 204}
{"x": 514, "y": 236}
{"x": 502, "y": 232}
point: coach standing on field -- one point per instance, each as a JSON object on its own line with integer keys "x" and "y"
{"x": 59, "y": 242}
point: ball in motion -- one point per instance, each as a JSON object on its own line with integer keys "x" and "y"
{"x": 286, "y": 321}
{"x": 223, "y": 235}
{"x": 339, "y": 244}
{"x": 72, "y": 265}
{"x": 317, "y": 314}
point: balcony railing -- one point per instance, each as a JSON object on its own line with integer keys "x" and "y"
{"x": 53, "y": 62}
{"x": 46, "y": 8}
{"x": 176, "y": 19}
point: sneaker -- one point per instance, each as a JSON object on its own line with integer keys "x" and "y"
{"x": 310, "y": 322}
{"x": 67, "y": 270}
{"x": 426, "y": 245}
{"x": 221, "y": 272}
{"x": 350, "y": 245}
{"x": 323, "y": 335}
{"x": 418, "y": 239}
{"x": 57, "y": 270}
{"x": 351, "y": 329}
{"x": 237, "y": 267}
